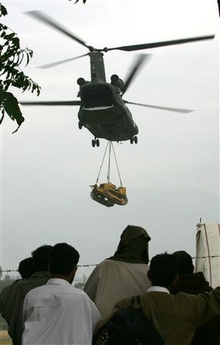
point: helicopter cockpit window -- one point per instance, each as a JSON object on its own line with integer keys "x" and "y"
{"x": 96, "y": 96}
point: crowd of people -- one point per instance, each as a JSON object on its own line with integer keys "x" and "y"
{"x": 44, "y": 308}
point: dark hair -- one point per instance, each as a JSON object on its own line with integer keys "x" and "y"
{"x": 41, "y": 257}
{"x": 63, "y": 259}
{"x": 163, "y": 269}
{"x": 26, "y": 268}
{"x": 185, "y": 262}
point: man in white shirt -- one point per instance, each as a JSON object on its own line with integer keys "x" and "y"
{"x": 58, "y": 313}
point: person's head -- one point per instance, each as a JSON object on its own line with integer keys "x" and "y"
{"x": 41, "y": 257}
{"x": 163, "y": 270}
{"x": 26, "y": 268}
{"x": 133, "y": 245}
{"x": 132, "y": 232}
{"x": 63, "y": 261}
{"x": 185, "y": 262}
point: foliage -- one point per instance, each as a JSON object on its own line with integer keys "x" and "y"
{"x": 12, "y": 56}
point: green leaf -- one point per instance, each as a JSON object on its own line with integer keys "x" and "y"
{"x": 2, "y": 118}
{"x": 3, "y": 34}
{"x": 12, "y": 108}
{"x": 3, "y": 10}
{"x": 10, "y": 36}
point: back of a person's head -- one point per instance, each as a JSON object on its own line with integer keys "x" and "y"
{"x": 185, "y": 262}
{"x": 132, "y": 232}
{"x": 63, "y": 259}
{"x": 133, "y": 245}
{"x": 163, "y": 269}
{"x": 41, "y": 258}
{"x": 26, "y": 268}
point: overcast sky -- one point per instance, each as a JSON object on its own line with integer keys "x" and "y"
{"x": 172, "y": 175}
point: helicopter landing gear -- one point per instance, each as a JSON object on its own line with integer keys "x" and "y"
{"x": 134, "y": 140}
{"x": 95, "y": 142}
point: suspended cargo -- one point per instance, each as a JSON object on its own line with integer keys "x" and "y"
{"x": 208, "y": 252}
{"x": 107, "y": 193}
{"x": 98, "y": 194}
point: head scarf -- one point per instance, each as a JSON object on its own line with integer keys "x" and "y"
{"x": 133, "y": 246}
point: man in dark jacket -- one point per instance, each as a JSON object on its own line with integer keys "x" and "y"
{"x": 12, "y": 305}
{"x": 193, "y": 283}
{"x": 174, "y": 316}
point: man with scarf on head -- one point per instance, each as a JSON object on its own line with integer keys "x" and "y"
{"x": 122, "y": 275}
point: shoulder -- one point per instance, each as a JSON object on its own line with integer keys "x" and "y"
{"x": 123, "y": 303}
{"x": 102, "y": 266}
{"x": 5, "y": 294}
{"x": 5, "y": 291}
{"x": 202, "y": 282}
{"x": 78, "y": 291}
{"x": 105, "y": 263}
{"x": 12, "y": 288}
{"x": 38, "y": 290}
{"x": 84, "y": 299}
{"x": 81, "y": 294}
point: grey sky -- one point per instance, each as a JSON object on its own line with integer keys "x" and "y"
{"x": 172, "y": 175}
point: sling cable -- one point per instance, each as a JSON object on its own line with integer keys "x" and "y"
{"x": 107, "y": 193}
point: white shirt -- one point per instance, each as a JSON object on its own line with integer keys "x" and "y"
{"x": 58, "y": 313}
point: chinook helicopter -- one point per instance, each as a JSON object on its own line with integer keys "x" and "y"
{"x": 103, "y": 110}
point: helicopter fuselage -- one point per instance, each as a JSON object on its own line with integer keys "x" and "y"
{"x": 104, "y": 113}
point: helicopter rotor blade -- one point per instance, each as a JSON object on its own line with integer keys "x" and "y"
{"x": 176, "y": 110}
{"x": 136, "y": 67}
{"x": 61, "y": 103}
{"x": 41, "y": 16}
{"x": 53, "y": 64}
{"x": 161, "y": 44}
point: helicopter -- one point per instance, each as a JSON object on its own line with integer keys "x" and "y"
{"x": 102, "y": 109}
